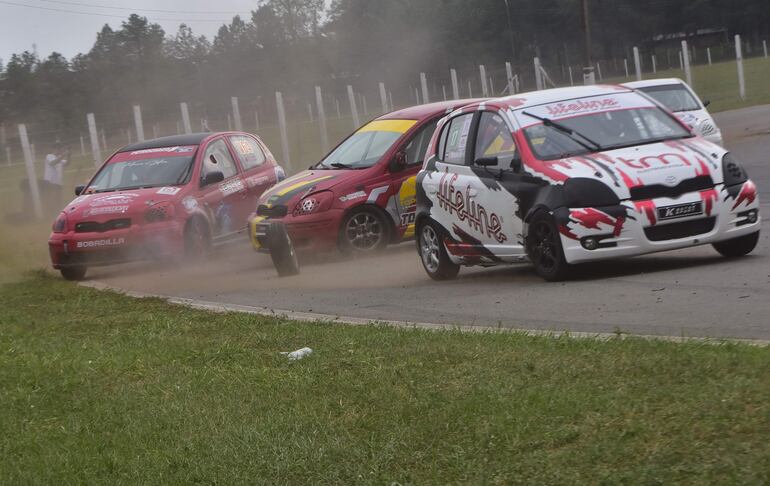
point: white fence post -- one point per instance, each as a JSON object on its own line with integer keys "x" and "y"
{"x": 282, "y": 129}
{"x": 637, "y": 64}
{"x": 256, "y": 120}
{"x": 353, "y": 108}
{"x": 538, "y": 74}
{"x": 470, "y": 90}
{"x": 681, "y": 61}
{"x": 155, "y": 131}
{"x": 229, "y": 122}
{"x": 509, "y": 76}
{"x": 764, "y": 47}
{"x": 82, "y": 146}
{"x": 625, "y": 65}
{"x": 337, "y": 105}
{"x": 8, "y": 155}
{"x": 363, "y": 103}
{"x": 424, "y": 85}
{"x": 95, "y": 150}
{"x": 599, "y": 71}
{"x": 31, "y": 176}
{"x": 443, "y": 91}
{"x": 185, "y": 117}
{"x": 310, "y": 112}
{"x": 383, "y": 98}
{"x": 455, "y": 86}
{"x": 483, "y": 75}
{"x": 417, "y": 95}
{"x": 686, "y": 61}
{"x": 571, "y": 81}
{"x": 319, "y": 100}
{"x": 138, "y": 123}
{"x": 236, "y": 114}
{"x": 739, "y": 60}
{"x": 104, "y": 143}
{"x": 654, "y": 65}
{"x": 708, "y": 55}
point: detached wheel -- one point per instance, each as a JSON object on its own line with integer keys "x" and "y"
{"x": 74, "y": 274}
{"x": 363, "y": 230}
{"x": 433, "y": 254}
{"x": 737, "y": 247}
{"x": 544, "y": 248}
{"x": 282, "y": 250}
{"x": 197, "y": 239}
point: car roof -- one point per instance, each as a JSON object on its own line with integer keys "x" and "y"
{"x": 545, "y": 96}
{"x": 173, "y": 140}
{"x": 653, "y": 82}
{"x": 428, "y": 110}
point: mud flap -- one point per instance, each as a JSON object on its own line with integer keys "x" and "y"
{"x": 281, "y": 249}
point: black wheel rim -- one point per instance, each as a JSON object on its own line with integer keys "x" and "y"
{"x": 543, "y": 249}
{"x": 364, "y": 231}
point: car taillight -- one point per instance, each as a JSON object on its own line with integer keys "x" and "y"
{"x": 159, "y": 212}
{"x": 60, "y": 225}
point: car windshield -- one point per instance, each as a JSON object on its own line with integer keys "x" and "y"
{"x": 365, "y": 147}
{"x": 675, "y": 97}
{"x": 136, "y": 174}
{"x": 605, "y": 130}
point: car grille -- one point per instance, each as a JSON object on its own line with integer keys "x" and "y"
{"x": 652, "y": 191}
{"x": 278, "y": 211}
{"x": 94, "y": 227}
{"x": 684, "y": 229}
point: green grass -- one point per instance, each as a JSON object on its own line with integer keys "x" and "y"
{"x": 100, "y": 388}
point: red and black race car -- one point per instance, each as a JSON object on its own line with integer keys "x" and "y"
{"x": 361, "y": 196}
{"x": 165, "y": 197}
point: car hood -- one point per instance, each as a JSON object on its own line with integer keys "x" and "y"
{"x": 308, "y": 182}
{"x": 665, "y": 163}
{"x": 111, "y": 205}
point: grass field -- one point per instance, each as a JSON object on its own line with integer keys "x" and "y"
{"x": 108, "y": 389}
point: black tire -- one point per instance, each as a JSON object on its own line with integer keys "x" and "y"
{"x": 364, "y": 230}
{"x": 282, "y": 250}
{"x": 737, "y": 247}
{"x": 544, "y": 248}
{"x": 74, "y": 274}
{"x": 197, "y": 239}
{"x": 433, "y": 254}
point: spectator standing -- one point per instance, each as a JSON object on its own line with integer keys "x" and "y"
{"x": 53, "y": 176}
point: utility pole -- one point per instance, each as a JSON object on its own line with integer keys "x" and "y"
{"x": 510, "y": 31}
{"x": 588, "y": 71}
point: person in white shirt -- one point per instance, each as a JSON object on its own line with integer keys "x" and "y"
{"x": 53, "y": 175}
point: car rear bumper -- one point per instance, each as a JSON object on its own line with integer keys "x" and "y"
{"x": 316, "y": 232}
{"x": 591, "y": 234}
{"x": 117, "y": 246}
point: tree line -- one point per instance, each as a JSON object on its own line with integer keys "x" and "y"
{"x": 292, "y": 45}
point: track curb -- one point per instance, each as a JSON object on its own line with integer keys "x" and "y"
{"x": 359, "y": 321}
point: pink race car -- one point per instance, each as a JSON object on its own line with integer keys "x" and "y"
{"x": 162, "y": 198}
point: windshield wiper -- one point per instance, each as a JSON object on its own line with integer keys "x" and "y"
{"x": 340, "y": 165}
{"x": 565, "y": 129}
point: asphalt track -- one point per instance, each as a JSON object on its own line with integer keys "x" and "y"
{"x": 689, "y": 293}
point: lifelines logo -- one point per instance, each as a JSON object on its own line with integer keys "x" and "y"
{"x": 462, "y": 204}
{"x": 581, "y": 106}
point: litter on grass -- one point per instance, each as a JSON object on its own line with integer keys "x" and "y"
{"x": 298, "y": 354}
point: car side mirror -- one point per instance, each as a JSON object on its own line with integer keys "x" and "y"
{"x": 212, "y": 178}
{"x": 79, "y": 190}
{"x": 398, "y": 162}
{"x": 516, "y": 162}
{"x": 706, "y": 103}
{"x": 486, "y": 161}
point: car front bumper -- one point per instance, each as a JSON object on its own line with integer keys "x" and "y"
{"x": 139, "y": 242}
{"x": 589, "y": 234}
{"x": 314, "y": 232}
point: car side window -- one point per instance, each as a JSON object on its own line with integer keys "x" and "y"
{"x": 249, "y": 152}
{"x": 454, "y": 139}
{"x": 494, "y": 139}
{"x": 217, "y": 158}
{"x": 418, "y": 145}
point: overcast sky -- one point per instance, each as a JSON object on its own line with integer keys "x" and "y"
{"x": 70, "y": 26}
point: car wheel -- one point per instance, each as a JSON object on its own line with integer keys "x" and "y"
{"x": 74, "y": 274}
{"x": 737, "y": 247}
{"x": 282, "y": 250}
{"x": 364, "y": 230}
{"x": 197, "y": 239}
{"x": 433, "y": 253}
{"x": 544, "y": 248}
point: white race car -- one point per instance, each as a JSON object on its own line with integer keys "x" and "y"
{"x": 574, "y": 175}
{"x": 678, "y": 97}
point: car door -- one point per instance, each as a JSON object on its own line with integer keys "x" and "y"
{"x": 257, "y": 173}
{"x": 503, "y": 185}
{"x": 403, "y": 180}
{"x": 223, "y": 200}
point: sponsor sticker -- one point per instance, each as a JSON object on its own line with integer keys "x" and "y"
{"x": 105, "y": 210}
{"x": 100, "y": 243}
{"x": 231, "y": 187}
{"x": 680, "y": 210}
{"x": 175, "y": 149}
{"x": 353, "y": 196}
{"x": 114, "y": 199}
{"x": 190, "y": 204}
{"x": 169, "y": 191}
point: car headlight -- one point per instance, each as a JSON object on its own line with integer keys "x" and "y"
{"x": 159, "y": 212}
{"x": 732, "y": 171}
{"x": 314, "y": 203}
{"x": 60, "y": 225}
{"x": 582, "y": 192}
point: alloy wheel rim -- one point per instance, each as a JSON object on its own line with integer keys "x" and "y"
{"x": 544, "y": 247}
{"x": 429, "y": 247}
{"x": 364, "y": 232}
